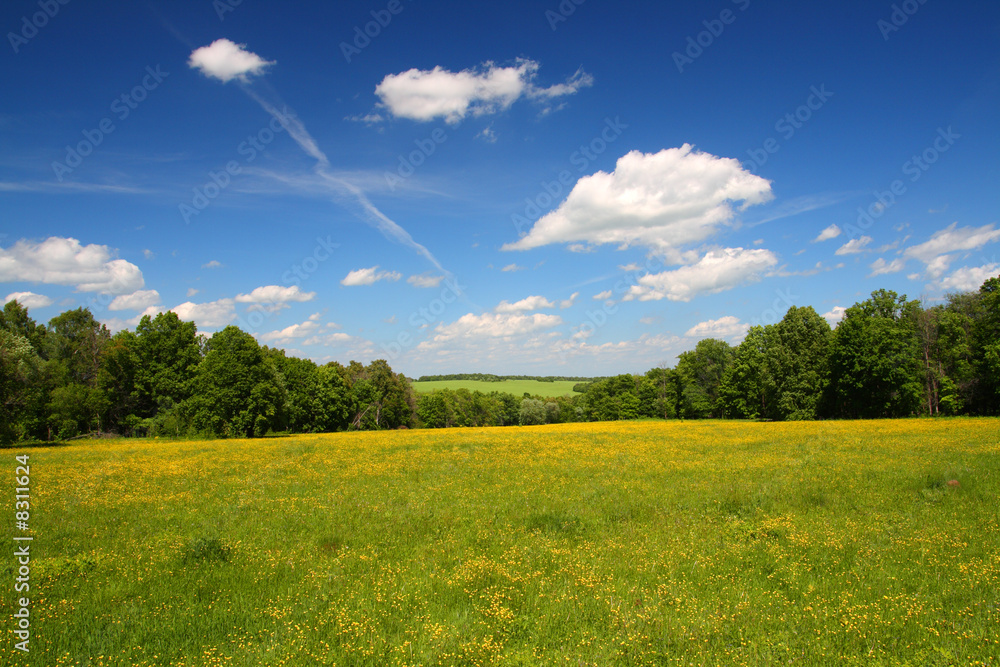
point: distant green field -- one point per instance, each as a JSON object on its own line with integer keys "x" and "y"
{"x": 516, "y": 387}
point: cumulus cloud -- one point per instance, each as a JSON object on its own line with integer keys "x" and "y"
{"x": 660, "y": 200}
{"x": 600, "y": 296}
{"x": 369, "y": 276}
{"x": 511, "y": 268}
{"x": 29, "y": 299}
{"x": 65, "y": 261}
{"x": 939, "y": 251}
{"x": 831, "y": 232}
{"x": 311, "y": 327}
{"x": 717, "y": 271}
{"x": 424, "y": 95}
{"x": 834, "y": 315}
{"x": 854, "y": 246}
{"x": 881, "y": 267}
{"x": 490, "y": 325}
{"x": 214, "y": 264}
{"x": 524, "y": 305}
{"x": 727, "y": 327}
{"x": 210, "y": 314}
{"x": 969, "y": 278}
{"x": 568, "y": 303}
{"x": 425, "y": 280}
{"x": 225, "y": 60}
{"x": 276, "y": 294}
{"x": 140, "y": 300}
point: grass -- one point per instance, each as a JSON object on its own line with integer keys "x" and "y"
{"x": 516, "y": 387}
{"x": 651, "y": 543}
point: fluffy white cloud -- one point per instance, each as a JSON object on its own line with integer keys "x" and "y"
{"x": 969, "y": 278}
{"x": 854, "y": 246}
{"x": 600, "y": 296}
{"x": 29, "y": 299}
{"x": 831, "y": 232}
{"x": 64, "y": 261}
{"x": 524, "y": 305}
{"x": 136, "y": 300}
{"x": 311, "y": 327}
{"x": 727, "y": 327}
{"x": 510, "y": 268}
{"x": 276, "y": 294}
{"x": 210, "y": 314}
{"x": 214, "y": 264}
{"x": 880, "y": 266}
{"x": 369, "y": 276}
{"x": 225, "y": 60}
{"x": 834, "y": 315}
{"x": 661, "y": 200}
{"x": 717, "y": 271}
{"x": 490, "y": 325}
{"x": 424, "y": 95}
{"x": 425, "y": 280}
{"x": 938, "y": 252}
{"x": 148, "y": 254}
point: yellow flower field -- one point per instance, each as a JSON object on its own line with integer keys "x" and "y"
{"x": 628, "y": 543}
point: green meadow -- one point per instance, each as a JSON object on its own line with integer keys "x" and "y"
{"x": 625, "y": 543}
{"x": 515, "y": 387}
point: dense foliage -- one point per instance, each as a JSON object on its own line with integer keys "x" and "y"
{"x": 887, "y": 357}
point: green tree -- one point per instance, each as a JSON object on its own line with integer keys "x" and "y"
{"x": 701, "y": 371}
{"x": 796, "y": 363}
{"x": 19, "y": 375}
{"x": 986, "y": 348}
{"x": 874, "y": 369}
{"x": 747, "y": 388}
{"x": 238, "y": 390}
{"x": 75, "y": 343}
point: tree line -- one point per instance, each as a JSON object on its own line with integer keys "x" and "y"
{"x": 887, "y": 357}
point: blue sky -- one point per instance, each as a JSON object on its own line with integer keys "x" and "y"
{"x": 573, "y": 188}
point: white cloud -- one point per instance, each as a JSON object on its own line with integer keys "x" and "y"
{"x": 369, "y": 276}
{"x": 831, "y": 232}
{"x": 224, "y": 60}
{"x": 272, "y": 294}
{"x": 629, "y": 268}
{"x": 140, "y": 300}
{"x": 600, "y": 296}
{"x": 424, "y": 95}
{"x": 524, "y": 305}
{"x": 148, "y": 254}
{"x": 854, "y": 246}
{"x": 425, "y": 280}
{"x": 834, "y": 315}
{"x": 214, "y": 264}
{"x": 29, "y": 299}
{"x": 568, "y": 303}
{"x": 512, "y": 267}
{"x": 661, "y": 200}
{"x": 191, "y": 292}
{"x": 490, "y": 325}
{"x": 211, "y": 314}
{"x": 727, "y": 327}
{"x": 64, "y": 261}
{"x": 939, "y": 251}
{"x": 717, "y": 271}
{"x": 881, "y": 267}
{"x": 311, "y": 327}
{"x": 968, "y": 278}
